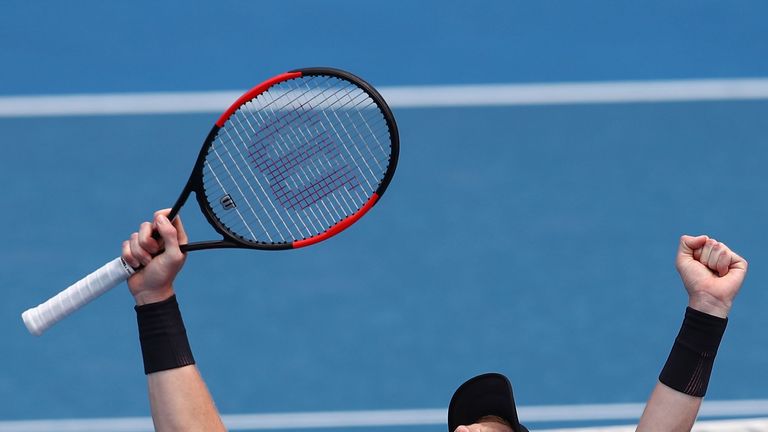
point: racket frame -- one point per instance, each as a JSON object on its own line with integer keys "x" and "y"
{"x": 195, "y": 182}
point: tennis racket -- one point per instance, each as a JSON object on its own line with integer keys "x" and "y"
{"x": 294, "y": 161}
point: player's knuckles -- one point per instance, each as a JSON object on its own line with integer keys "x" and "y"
{"x": 706, "y": 251}
{"x": 145, "y": 235}
{"x": 133, "y": 241}
{"x": 145, "y": 231}
{"x": 127, "y": 255}
{"x": 149, "y": 245}
{"x": 715, "y": 254}
{"x": 723, "y": 262}
{"x": 138, "y": 252}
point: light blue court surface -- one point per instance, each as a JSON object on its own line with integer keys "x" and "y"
{"x": 533, "y": 240}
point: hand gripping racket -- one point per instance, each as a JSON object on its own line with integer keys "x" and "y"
{"x": 294, "y": 161}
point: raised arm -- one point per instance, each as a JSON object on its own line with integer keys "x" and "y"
{"x": 712, "y": 275}
{"x": 179, "y": 399}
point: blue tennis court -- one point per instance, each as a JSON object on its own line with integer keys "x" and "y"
{"x": 532, "y": 239}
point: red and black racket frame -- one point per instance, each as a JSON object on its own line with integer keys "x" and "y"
{"x": 195, "y": 182}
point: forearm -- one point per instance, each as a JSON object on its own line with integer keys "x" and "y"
{"x": 178, "y": 397}
{"x": 669, "y": 410}
{"x": 676, "y": 399}
{"x": 180, "y": 401}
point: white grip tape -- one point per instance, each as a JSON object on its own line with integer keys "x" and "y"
{"x": 39, "y": 319}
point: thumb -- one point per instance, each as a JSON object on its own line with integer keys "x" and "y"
{"x": 168, "y": 233}
{"x": 688, "y": 244}
{"x": 687, "y": 248}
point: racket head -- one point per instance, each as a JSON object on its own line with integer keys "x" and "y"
{"x": 294, "y": 161}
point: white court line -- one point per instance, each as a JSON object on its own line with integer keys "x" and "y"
{"x": 753, "y": 425}
{"x": 399, "y": 418}
{"x": 402, "y": 97}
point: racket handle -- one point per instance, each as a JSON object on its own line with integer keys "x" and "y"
{"x": 38, "y": 319}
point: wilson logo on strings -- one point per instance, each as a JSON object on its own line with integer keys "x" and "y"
{"x": 305, "y": 175}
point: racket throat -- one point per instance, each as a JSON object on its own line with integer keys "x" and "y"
{"x": 225, "y": 244}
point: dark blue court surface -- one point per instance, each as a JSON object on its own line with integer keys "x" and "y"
{"x": 533, "y": 240}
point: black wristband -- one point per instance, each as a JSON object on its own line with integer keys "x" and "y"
{"x": 690, "y": 362}
{"x": 164, "y": 343}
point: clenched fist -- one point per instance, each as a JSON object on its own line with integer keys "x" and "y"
{"x": 711, "y": 272}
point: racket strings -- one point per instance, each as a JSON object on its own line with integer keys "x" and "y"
{"x": 297, "y": 159}
{"x": 326, "y": 221}
{"x": 336, "y": 132}
{"x": 285, "y": 143}
{"x": 321, "y": 216}
{"x": 298, "y": 139}
{"x": 241, "y": 140}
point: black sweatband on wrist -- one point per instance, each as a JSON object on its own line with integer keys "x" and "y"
{"x": 690, "y": 362}
{"x": 164, "y": 343}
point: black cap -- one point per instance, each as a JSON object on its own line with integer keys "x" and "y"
{"x": 484, "y": 395}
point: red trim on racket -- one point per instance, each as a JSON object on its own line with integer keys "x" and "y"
{"x": 339, "y": 227}
{"x": 252, "y": 93}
